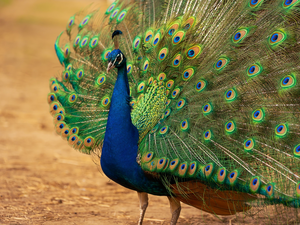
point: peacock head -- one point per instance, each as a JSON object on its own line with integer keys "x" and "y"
{"x": 116, "y": 58}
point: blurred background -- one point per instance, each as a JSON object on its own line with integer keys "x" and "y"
{"x": 42, "y": 179}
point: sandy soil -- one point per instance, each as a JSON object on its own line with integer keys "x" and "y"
{"x": 42, "y": 179}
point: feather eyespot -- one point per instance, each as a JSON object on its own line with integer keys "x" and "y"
{"x": 249, "y": 144}
{"x": 141, "y": 87}
{"x": 269, "y": 188}
{"x": 72, "y": 98}
{"x": 101, "y": 80}
{"x": 105, "y": 101}
{"x": 297, "y": 150}
{"x": 232, "y": 177}
{"x": 129, "y": 68}
{"x": 162, "y": 54}
{"x": 66, "y": 76}
{"x": 221, "y": 63}
{"x": 207, "y": 135}
{"x": 184, "y": 125}
{"x": 208, "y": 170}
{"x": 51, "y": 98}
{"x": 69, "y": 67}
{"x": 164, "y": 130}
{"x": 230, "y": 95}
{"x": 281, "y": 130}
{"x": 56, "y": 108}
{"x": 187, "y": 74}
{"x": 65, "y": 132}
{"x": 176, "y": 61}
{"x": 200, "y": 85}
{"x": 76, "y": 41}
{"x": 178, "y": 37}
{"x": 121, "y": 16}
{"x": 254, "y": 184}
{"x": 79, "y": 74}
{"x": 207, "y": 109}
{"x": 254, "y": 70}
{"x": 258, "y": 115}
{"x": 167, "y": 113}
{"x": 288, "y": 81}
{"x": 239, "y": 36}
{"x": 255, "y": 3}
{"x": 59, "y": 118}
{"x": 148, "y": 36}
{"x": 161, "y": 163}
{"x": 59, "y": 127}
{"x": 192, "y": 168}
{"x": 114, "y": 14}
{"x": 193, "y": 52}
{"x": 230, "y": 127}
{"x": 54, "y": 88}
{"x": 168, "y": 102}
{"x": 288, "y": 3}
{"x": 94, "y": 42}
{"x": 67, "y": 51}
{"x": 132, "y": 103}
{"x": 175, "y": 92}
{"x": 161, "y": 77}
{"x": 183, "y": 168}
{"x": 180, "y": 104}
{"x": 89, "y": 142}
{"x": 222, "y": 173}
{"x": 74, "y": 130}
{"x": 105, "y": 54}
{"x": 156, "y": 39}
{"x": 84, "y": 42}
{"x": 110, "y": 8}
{"x": 276, "y": 38}
{"x": 172, "y": 29}
{"x": 148, "y": 157}
{"x": 146, "y": 65}
{"x": 136, "y": 43}
{"x": 73, "y": 139}
{"x": 169, "y": 84}
{"x": 174, "y": 164}
{"x": 150, "y": 81}
{"x": 84, "y": 22}
{"x": 71, "y": 22}
{"x": 189, "y": 23}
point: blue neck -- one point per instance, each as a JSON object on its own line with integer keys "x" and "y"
{"x": 119, "y": 152}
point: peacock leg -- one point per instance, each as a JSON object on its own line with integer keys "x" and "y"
{"x": 175, "y": 210}
{"x": 143, "y": 197}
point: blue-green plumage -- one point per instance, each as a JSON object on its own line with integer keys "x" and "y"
{"x": 119, "y": 152}
{"x": 204, "y": 106}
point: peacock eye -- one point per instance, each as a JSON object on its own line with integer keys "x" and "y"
{"x": 119, "y": 58}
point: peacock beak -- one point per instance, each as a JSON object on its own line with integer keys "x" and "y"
{"x": 110, "y": 66}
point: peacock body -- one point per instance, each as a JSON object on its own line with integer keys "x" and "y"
{"x": 205, "y": 108}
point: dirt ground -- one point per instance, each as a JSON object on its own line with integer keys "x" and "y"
{"x": 42, "y": 179}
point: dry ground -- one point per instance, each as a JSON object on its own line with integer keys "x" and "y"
{"x": 43, "y": 180}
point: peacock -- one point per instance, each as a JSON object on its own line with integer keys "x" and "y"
{"x": 196, "y": 100}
